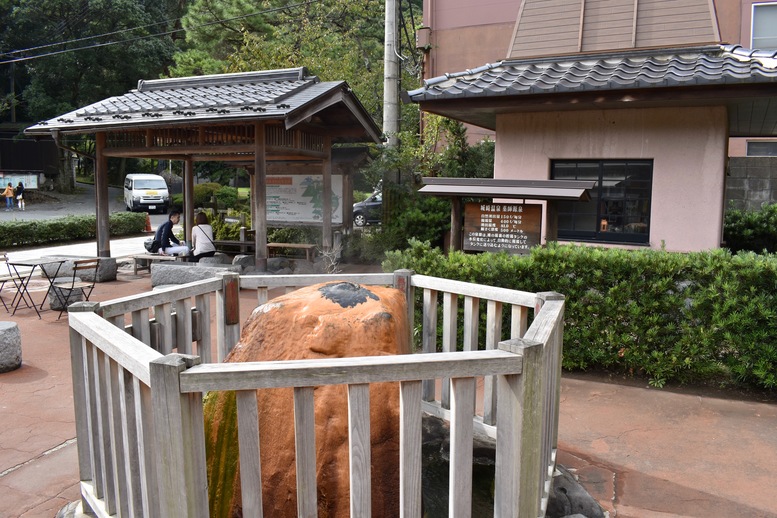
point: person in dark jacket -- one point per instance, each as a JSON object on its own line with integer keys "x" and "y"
{"x": 170, "y": 244}
{"x": 20, "y": 195}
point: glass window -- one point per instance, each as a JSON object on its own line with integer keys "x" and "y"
{"x": 619, "y": 210}
{"x": 761, "y": 148}
{"x": 764, "y": 26}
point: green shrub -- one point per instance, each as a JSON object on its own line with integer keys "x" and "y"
{"x": 226, "y": 196}
{"x": 203, "y": 192}
{"x": 754, "y": 231}
{"x": 69, "y": 228}
{"x": 668, "y": 316}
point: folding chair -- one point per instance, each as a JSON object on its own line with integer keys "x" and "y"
{"x": 5, "y": 277}
{"x": 84, "y": 279}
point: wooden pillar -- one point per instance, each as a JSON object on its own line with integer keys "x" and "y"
{"x": 101, "y": 197}
{"x": 326, "y": 240}
{"x": 551, "y": 221}
{"x": 188, "y": 198}
{"x": 456, "y": 229}
{"x": 259, "y": 197}
{"x": 347, "y": 201}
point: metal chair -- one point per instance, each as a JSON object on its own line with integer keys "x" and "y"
{"x": 5, "y": 277}
{"x": 84, "y": 279}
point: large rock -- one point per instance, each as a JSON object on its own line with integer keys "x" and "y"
{"x": 322, "y": 321}
{"x": 182, "y": 273}
{"x": 106, "y": 271}
{"x": 10, "y": 346}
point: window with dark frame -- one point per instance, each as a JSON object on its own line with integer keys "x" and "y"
{"x": 619, "y": 210}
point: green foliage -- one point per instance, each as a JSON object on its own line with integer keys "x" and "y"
{"x": 336, "y": 40}
{"x": 203, "y": 192}
{"x": 755, "y": 231}
{"x": 667, "y": 316}
{"x": 62, "y": 82}
{"x": 70, "y": 228}
{"x": 226, "y": 196}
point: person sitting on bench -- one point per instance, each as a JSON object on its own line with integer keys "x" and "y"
{"x": 170, "y": 244}
{"x": 202, "y": 238}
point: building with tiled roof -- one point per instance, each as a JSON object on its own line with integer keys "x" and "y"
{"x": 641, "y": 96}
{"x": 254, "y": 120}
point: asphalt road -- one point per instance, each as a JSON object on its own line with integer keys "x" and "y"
{"x": 50, "y": 205}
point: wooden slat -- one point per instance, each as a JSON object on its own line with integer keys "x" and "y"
{"x": 275, "y": 281}
{"x": 93, "y": 415}
{"x": 79, "y": 375}
{"x": 450, "y": 313}
{"x": 103, "y": 403}
{"x": 429, "y": 338}
{"x": 359, "y": 449}
{"x": 503, "y": 295}
{"x": 183, "y": 326}
{"x": 460, "y": 481}
{"x": 126, "y": 350}
{"x": 132, "y": 303}
{"x": 118, "y": 453}
{"x": 163, "y": 316}
{"x": 337, "y": 371}
{"x": 305, "y": 445}
{"x": 131, "y": 440}
{"x": 141, "y": 328}
{"x": 250, "y": 462}
{"x": 410, "y": 430}
{"x": 146, "y": 454}
{"x": 205, "y": 336}
{"x": 493, "y": 336}
{"x": 519, "y": 321}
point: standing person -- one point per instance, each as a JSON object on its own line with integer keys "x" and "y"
{"x": 20, "y": 195}
{"x": 8, "y": 193}
{"x": 202, "y": 238}
{"x": 170, "y": 244}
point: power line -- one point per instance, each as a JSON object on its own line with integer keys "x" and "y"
{"x": 165, "y": 33}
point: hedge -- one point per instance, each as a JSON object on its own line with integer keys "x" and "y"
{"x": 679, "y": 317}
{"x": 68, "y": 228}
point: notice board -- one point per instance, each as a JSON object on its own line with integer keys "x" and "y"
{"x": 300, "y": 199}
{"x": 509, "y": 227}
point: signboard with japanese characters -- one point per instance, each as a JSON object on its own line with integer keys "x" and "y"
{"x": 300, "y": 199}
{"x": 493, "y": 227}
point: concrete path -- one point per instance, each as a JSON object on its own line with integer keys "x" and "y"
{"x": 643, "y": 453}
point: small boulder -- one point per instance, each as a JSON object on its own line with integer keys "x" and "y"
{"x": 10, "y": 347}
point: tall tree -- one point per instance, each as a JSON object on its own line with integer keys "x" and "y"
{"x": 83, "y": 68}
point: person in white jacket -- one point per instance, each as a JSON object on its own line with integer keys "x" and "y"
{"x": 202, "y": 238}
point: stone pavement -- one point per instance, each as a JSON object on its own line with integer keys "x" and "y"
{"x": 643, "y": 453}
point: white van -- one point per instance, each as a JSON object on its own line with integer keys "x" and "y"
{"x": 146, "y": 192}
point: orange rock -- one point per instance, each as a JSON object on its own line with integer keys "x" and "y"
{"x": 323, "y": 321}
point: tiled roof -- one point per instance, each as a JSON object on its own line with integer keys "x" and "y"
{"x": 264, "y": 95}
{"x": 663, "y": 68}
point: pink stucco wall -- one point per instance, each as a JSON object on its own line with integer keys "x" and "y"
{"x": 688, "y": 147}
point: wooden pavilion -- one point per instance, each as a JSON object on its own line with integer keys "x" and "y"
{"x": 270, "y": 122}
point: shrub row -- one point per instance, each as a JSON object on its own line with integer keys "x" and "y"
{"x": 68, "y": 228}
{"x": 669, "y": 316}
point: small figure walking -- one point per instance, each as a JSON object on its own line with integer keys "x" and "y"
{"x": 9, "y": 195}
{"x": 20, "y": 195}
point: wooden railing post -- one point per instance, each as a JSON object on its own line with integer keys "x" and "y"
{"x": 402, "y": 281}
{"x": 228, "y": 313}
{"x": 518, "y": 435}
{"x": 78, "y": 361}
{"x": 551, "y": 391}
{"x": 180, "y": 440}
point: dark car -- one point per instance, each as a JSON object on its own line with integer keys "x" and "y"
{"x": 368, "y": 211}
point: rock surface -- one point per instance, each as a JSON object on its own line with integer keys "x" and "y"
{"x": 322, "y": 321}
{"x": 10, "y": 346}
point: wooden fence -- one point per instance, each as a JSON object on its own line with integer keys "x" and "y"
{"x": 139, "y": 414}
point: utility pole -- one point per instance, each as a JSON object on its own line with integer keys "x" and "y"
{"x": 391, "y": 76}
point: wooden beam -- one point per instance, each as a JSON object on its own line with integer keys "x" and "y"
{"x": 259, "y": 197}
{"x": 188, "y": 198}
{"x": 326, "y": 215}
{"x": 101, "y": 197}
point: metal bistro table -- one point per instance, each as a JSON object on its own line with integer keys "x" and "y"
{"x": 23, "y": 277}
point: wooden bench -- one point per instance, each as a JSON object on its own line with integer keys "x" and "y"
{"x": 272, "y": 248}
{"x": 144, "y": 261}
{"x": 310, "y": 250}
